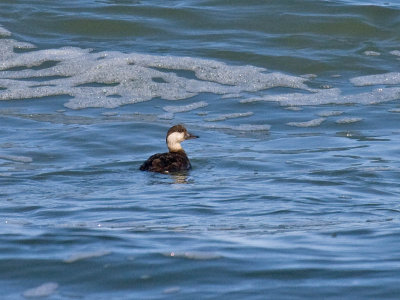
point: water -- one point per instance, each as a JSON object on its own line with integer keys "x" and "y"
{"x": 294, "y": 188}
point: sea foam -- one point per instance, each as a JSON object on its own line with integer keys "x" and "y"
{"x": 331, "y": 96}
{"x": 43, "y": 290}
{"x": 348, "y": 120}
{"x": 241, "y": 127}
{"x": 110, "y": 79}
{"x": 311, "y": 123}
{"x": 395, "y": 52}
{"x": 185, "y": 108}
{"x": 224, "y": 117}
{"x": 387, "y": 78}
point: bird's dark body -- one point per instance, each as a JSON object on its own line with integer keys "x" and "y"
{"x": 167, "y": 162}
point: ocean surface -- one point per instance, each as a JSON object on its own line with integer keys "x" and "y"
{"x": 295, "y": 186}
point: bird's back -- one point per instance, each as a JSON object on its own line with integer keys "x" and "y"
{"x": 167, "y": 162}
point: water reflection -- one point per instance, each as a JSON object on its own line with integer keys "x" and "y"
{"x": 165, "y": 178}
{"x": 180, "y": 178}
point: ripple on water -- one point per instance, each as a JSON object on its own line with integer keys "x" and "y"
{"x": 17, "y": 158}
{"x": 86, "y": 255}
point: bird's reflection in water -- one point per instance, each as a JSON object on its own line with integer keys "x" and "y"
{"x": 180, "y": 178}
{"x": 177, "y": 178}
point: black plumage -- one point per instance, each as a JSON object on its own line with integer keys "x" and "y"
{"x": 176, "y": 159}
{"x": 167, "y": 162}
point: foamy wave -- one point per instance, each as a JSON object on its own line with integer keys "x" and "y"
{"x": 226, "y": 96}
{"x": 111, "y": 79}
{"x": 348, "y": 120}
{"x": 331, "y": 96}
{"x": 299, "y": 99}
{"x": 311, "y": 123}
{"x": 242, "y": 127}
{"x": 294, "y": 108}
{"x": 395, "y": 52}
{"x": 229, "y": 116}
{"x": 43, "y": 290}
{"x": 330, "y": 113}
{"x": 372, "y": 53}
{"x": 387, "y": 78}
{"x": 185, "y": 108}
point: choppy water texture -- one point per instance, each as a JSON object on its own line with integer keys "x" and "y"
{"x": 294, "y": 191}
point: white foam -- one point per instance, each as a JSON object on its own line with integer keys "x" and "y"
{"x": 111, "y": 79}
{"x": 185, "y": 108}
{"x": 331, "y": 96}
{"x": 43, "y": 290}
{"x": 227, "y": 96}
{"x": 348, "y": 120}
{"x": 372, "y": 53}
{"x": 224, "y": 117}
{"x": 311, "y": 123}
{"x": 387, "y": 78}
{"x": 395, "y": 52}
{"x": 329, "y": 113}
{"x": 324, "y": 96}
{"x": 241, "y": 127}
{"x": 36, "y": 58}
{"x": 7, "y": 49}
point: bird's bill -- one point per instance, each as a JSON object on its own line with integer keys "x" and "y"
{"x": 189, "y": 136}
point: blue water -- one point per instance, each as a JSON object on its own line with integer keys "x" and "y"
{"x": 294, "y": 191}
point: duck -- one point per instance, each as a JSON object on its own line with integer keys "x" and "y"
{"x": 176, "y": 159}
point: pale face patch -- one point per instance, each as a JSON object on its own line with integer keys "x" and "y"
{"x": 174, "y": 141}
